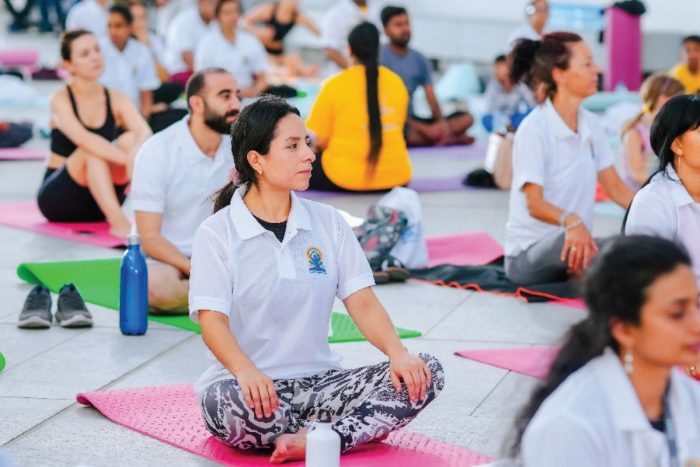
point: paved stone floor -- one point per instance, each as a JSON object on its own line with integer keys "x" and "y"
{"x": 41, "y": 424}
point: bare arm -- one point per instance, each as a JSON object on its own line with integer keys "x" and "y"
{"x": 129, "y": 117}
{"x": 336, "y": 56}
{"x": 635, "y": 157}
{"x": 258, "y": 388}
{"x": 616, "y": 189}
{"x": 374, "y": 323}
{"x": 146, "y": 98}
{"x": 306, "y": 21}
{"x": 257, "y": 15}
{"x": 259, "y": 86}
{"x": 188, "y": 58}
{"x": 65, "y": 120}
{"x": 155, "y": 245}
{"x": 433, "y": 102}
{"x": 579, "y": 246}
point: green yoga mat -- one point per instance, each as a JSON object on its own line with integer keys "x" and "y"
{"x": 98, "y": 282}
{"x": 2, "y": 362}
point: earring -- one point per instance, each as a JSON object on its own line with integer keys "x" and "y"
{"x": 629, "y": 361}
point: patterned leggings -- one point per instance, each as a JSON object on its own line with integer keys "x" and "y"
{"x": 363, "y": 403}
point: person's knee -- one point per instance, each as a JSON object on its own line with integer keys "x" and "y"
{"x": 437, "y": 372}
{"x": 228, "y": 417}
{"x": 126, "y": 141}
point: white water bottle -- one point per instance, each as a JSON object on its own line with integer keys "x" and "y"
{"x": 323, "y": 444}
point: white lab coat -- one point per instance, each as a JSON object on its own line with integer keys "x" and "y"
{"x": 595, "y": 419}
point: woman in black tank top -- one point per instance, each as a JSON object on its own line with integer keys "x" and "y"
{"x": 271, "y": 22}
{"x": 94, "y": 137}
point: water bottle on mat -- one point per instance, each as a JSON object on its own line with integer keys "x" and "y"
{"x": 133, "y": 289}
{"x": 323, "y": 444}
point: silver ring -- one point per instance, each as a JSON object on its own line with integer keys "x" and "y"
{"x": 572, "y": 249}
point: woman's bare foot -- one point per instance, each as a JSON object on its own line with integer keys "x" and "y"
{"x": 289, "y": 447}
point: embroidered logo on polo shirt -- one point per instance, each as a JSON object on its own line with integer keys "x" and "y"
{"x": 315, "y": 257}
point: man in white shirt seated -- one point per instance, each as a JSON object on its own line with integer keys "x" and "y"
{"x": 184, "y": 33}
{"x": 537, "y": 12}
{"x": 129, "y": 65}
{"x": 336, "y": 26}
{"x": 175, "y": 174}
{"x": 90, "y": 15}
{"x": 234, "y": 49}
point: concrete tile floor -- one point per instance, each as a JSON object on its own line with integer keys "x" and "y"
{"x": 40, "y": 423}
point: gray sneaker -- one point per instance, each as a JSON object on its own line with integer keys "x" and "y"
{"x": 71, "y": 311}
{"x": 36, "y": 312}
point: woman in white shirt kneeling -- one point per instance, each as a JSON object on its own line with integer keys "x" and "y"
{"x": 559, "y": 153}
{"x": 613, "y": 397}
{"x": 266, "y": 268}
{"x": 669, "y": 205}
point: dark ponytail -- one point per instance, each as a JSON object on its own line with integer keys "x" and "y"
{"x": 533, "y": 61}
{"x": 679, "y": 115}
{"x": 615, "y": 290}
{"x": 253, "y": 130}
{"x": 364, "y": 44}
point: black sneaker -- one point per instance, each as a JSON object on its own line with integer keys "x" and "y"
{"x": 71, "y": 310}
{"x": 36, "y": 312}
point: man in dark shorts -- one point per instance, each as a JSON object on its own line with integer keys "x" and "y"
{"x": 414, "y": 70}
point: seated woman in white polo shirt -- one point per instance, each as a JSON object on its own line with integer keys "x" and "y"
{"x": 266, "y": 268}
{"x": 559, "y": 153}
{"x": 669, "y": 205}
{"x": 234, "y": 49}
{"x": 614, "y": 396}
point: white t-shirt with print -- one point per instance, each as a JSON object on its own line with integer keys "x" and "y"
{"x": 277, "y": 296}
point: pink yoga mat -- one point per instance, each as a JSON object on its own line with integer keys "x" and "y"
{"x": 172, "y": 414}
{"x": 529, "y": 361}
{"x": 22, "y": 154}
{"x": 26, "y": 216}
{"x": 19, "y": 57}
{"x": 463, "y": 249}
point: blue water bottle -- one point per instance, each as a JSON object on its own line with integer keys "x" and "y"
{"x": 133, "y": 290}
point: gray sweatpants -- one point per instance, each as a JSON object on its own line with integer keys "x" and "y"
{"x": 541, "y": 263}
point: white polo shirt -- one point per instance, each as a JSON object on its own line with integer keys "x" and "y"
{"x": 594, "y": 418}
{"x": 243, "y": 58}
{"x": 172, "y": 176}
{"x": 89, "y": 15}
{"x": 548, "y": 153}
{"x": 339, "y": 21}
{"x": 184, "y": 33}
{"x": 664, "y": 208}
{"x": 277, "y": 296}
{"x": 129, "y": 71}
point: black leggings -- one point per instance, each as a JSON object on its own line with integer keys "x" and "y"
{"x": 320, "y": 181}
{"x": 61, "y": 199}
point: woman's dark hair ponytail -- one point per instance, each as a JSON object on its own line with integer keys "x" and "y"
{"x": 364, "y": 44}
{"x": 253, "y": 130}
{"x": 532, "y": 62}
{"x": 615, "y": 290}
{"x": 677, "y": 116}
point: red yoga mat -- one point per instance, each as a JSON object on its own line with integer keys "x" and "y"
{"x": 529, "y": 361}
{"x": 22, "y": 154}
{"x": 172, "y": 414}
{"x": 26, "y": 216}
{"x": 463, "y": 249}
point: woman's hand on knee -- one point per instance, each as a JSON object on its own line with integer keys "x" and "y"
{"x": 579, "y": 248}
{"x": 258, "y": 391}
{"x": 415, "y": 374}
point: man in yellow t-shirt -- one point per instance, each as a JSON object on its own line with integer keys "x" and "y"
{"x": 688, "y": 72}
